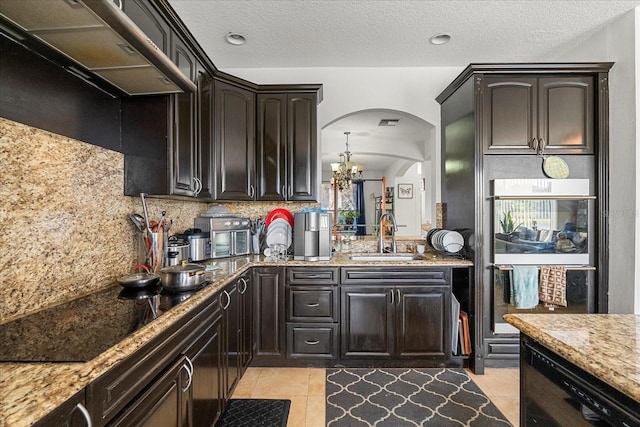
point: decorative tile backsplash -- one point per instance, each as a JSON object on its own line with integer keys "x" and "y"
{"x": 66, "y": 230}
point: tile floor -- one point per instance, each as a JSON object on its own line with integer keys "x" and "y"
{"x": 305, "y": 388}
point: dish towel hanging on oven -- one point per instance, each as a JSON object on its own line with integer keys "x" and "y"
{"x": 524, "y": 286}
{"x": 553, "y": 286}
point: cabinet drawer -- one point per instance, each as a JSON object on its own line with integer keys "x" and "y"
{"x": 312, "y": 341}
{"x": 313, "y": 275}
{"x": 310, "y": 304}
{"x": 402, "y": 275}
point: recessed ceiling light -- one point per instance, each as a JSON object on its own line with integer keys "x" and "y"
{"x": 236, "y": 39}
{"x": 441, "y": 38}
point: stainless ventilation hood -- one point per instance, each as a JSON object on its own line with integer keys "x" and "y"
{"x": 97, "y": 35}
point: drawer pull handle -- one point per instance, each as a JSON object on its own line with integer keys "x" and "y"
{"x": 313, "y": 276}
{"x": 312, "y": 342}
{"x": 312, "y": 304}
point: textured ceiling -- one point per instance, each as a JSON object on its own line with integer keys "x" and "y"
{"x": 388, "y": 33}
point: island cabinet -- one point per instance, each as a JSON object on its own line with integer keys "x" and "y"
{"x": 287, "y": 146}
{"x": 177, "y": 377}
{"x": 528, "y": 115}
{"x": 313, "y": 312}
{"x": 234, "y": 129}
{"x": 269, "y": 315}
{"x": 402, "y": 313}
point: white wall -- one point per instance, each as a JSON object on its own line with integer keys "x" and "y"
{"x": 619, "y": 42}
{"x": 413, "y": 90}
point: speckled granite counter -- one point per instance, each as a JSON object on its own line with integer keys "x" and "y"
{"x": 29, "y": 391}
{"x": 605, "y": 345}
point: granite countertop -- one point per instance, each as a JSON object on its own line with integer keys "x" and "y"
{"x": 29, "y": 391}
{"x": 605, "y": 345}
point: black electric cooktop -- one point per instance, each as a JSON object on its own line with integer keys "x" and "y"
{"x": 79, "y": 330}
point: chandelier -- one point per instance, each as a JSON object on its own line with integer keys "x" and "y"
{"x": 345, "y": 170}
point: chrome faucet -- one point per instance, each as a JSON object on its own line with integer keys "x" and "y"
{"x": 394, "y": 228}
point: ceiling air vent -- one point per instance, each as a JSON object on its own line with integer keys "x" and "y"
{"x": 388, "y": 122}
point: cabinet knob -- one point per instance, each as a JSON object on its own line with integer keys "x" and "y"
{"x": 252, "y": 190}
{"x": 534, "y": 144}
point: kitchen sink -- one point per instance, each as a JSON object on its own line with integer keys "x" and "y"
{"x": 385, "y": 257}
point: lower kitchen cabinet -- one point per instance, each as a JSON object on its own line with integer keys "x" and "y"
{"x": 166, "y": 403}
{"x": 207, "y": 357}
{"x": 395, "y": 314}
{"x": 268, "y": 313}
{"x": 237, "y": 316}
{"x": 72, "y": 413}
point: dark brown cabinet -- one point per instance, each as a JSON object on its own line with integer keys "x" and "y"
{"x": 313, "y": 312}
{"x": 207, "y": 356}
{"x": 236, "y": 298}
{"x": 287, "y": 147}
{"x": 168, "y": 140}
{"x": 528, "y": 114}
{"x": 234, "y": 142}
{"x": 399, "y": 314}
{"x": 183, "y": 171}
{"x": 165, "y": 403}
{"x": 506, "y": 110}
{"x": 149, "y": 21}
{"x": 72, "y": 413}
{"x": 269, "y": 313}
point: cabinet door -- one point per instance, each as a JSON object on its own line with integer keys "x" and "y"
{"x": 72, "y": 413}
{"x": 231, "y": 301}
{"x": 149, "y": 21}
{"x": 422, "y": 321}
{"x": 234, "y": 142}
{"x": 271, "y": 145}
{"x": 366, "y": 322}
{"x": 166, "y": 403}
{"x": 184, "y": 119}
{"x": 246, "y": 318}
{"x": 206, "y": 354}
{"x": 268, "y": 312}
{"x": 205, "y": 165}
{"x": 566, "y": 114}
{"x": 302, "y": 148}
{"x": 509, "y": 114}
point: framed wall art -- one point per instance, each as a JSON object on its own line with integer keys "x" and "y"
{"x": 405, "y": 191}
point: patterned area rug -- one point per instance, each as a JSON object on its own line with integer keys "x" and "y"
{"x": 255, "y": 413}
{"x": 407, "y": 397}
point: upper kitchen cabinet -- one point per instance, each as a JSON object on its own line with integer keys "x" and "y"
{"x": 234, "y": 142}
{"x": 183, "y": 179}
{"x": 534, "y": 115}
{"x": 149, "y": 21}
{"x": 287, "y": 146}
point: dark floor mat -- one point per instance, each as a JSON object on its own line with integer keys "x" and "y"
{"x": 255, "y": 413}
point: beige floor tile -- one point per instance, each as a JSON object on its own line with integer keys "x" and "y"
{"x": 247, "y": 384}
{"x": 298, "y": 411}
{"x": 282, "y": 381}
{"x": 510, "y": 407}
{"x": 317, "y": 382}
{"x": 316, "y": 411}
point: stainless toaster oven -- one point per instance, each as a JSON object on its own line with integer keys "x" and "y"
{"x": 230, "y": 235}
